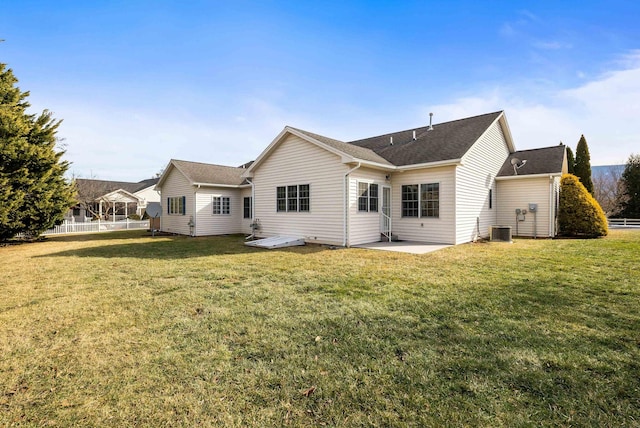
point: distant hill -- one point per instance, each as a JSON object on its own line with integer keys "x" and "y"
{"x": 606, "y": 170}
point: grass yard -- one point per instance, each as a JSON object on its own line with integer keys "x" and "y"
{"x": 124, "y": 329}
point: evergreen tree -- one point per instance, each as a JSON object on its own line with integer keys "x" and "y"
{"x": 631, "y": 188}
{"x": 579, "y": 214}
{"x": 583, "y": 164}
{"x": 34, "y": 194}
{"x": 571, "y": 161}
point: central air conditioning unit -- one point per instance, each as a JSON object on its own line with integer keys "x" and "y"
{"x": 500, "y": 233}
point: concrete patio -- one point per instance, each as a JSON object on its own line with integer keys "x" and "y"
{"x": 404, "y": 247}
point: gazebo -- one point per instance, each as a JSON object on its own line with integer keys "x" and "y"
{"x": 119, "y": 196}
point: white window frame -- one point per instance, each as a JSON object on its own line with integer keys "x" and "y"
{"x": 290, "y": 200}
{"x": 221, "y": 205}
{"x": 421, "y": 212}
{"x": 367, "y": 198}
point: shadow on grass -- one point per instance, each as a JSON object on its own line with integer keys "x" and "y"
{"x": 167, "y": 247}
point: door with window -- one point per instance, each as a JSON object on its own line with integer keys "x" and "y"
{"x": 385, "y": 213}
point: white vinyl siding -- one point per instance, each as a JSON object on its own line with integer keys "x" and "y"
{"x": 176, "y": 185}
{"x": 208, "y": 223}
{"x": 364, "y": 227}
{"x": 296, "y": 161}
{"x": 439, "y": 229}
{"x": 519, "y": 193}
{"x": 474, "y": 180}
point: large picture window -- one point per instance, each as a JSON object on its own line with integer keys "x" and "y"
{"x": 176, "y": 205}
{"x": 421, "y": 200}
{"x": 221, "y": 205}
{"x": 293, "y": 198}
{"x": 367, "y": 197}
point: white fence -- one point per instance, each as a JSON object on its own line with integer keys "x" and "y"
{"x": 624, "y": 222}
{"x": 97, "y": 226}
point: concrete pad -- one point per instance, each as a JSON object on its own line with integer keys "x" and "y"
{"x": 404, "y": 247}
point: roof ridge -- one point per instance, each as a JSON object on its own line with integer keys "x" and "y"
{"x": 207, "y": 164}
{"x": 425, "y": 126}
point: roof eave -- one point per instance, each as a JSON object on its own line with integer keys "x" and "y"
{"x": 231, "y": 186}
{"x": 524, "y": 176}
{"x": 448, "y": 162}
{"x": 370, "y": 164}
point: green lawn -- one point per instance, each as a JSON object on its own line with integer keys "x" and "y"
{"x": 124, "y": 329}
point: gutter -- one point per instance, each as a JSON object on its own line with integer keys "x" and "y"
{"x": 345, "y": 202}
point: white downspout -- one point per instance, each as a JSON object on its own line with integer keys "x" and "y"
{"x": 195, "y": 211}
{"x": 551, "y": 208}
{"x": 345, "y": 201}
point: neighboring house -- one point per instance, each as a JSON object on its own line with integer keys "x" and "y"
{"x": 112, "y": 199}
{"x": 440, "y": 184}
{"x": 203, "y": 199}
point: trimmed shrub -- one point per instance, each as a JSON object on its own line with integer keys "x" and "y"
{"x": 579, "y": 213}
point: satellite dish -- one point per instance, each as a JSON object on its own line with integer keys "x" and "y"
{"x": 517, "y": 164}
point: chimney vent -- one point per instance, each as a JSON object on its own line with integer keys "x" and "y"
{"x": 430, "y": 121}
{"x": 391, "y": 141}
{"x": 414, "y": 134}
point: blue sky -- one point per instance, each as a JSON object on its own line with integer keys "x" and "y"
{"x": 140, "y": 82}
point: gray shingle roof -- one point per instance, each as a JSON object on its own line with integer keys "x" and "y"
{"x": 205, "y": 173}
{"x": 446, "y": 141}
{"x": 90, "y": 189}
{"x": 547, "y": 160}
{"x": 357, "y": 152}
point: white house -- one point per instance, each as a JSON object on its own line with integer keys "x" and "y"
{"x": 446, "y": 183}
{"x": 113, "y": 199}
{"x": 203, "y": 199}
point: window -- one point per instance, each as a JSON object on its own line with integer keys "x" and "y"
{"x": 423, "y": 203}
{"x": 221, "y": 205}
{"x": 304, "y": 198}
{"x": 430, "y": 200}
{"x": 294, "y": 198}
{"x": 176, "y": 205}
{"x": 367, "y": 197}
{"x": 490, "y": 198}
{"x": 247, "y": 207}
{"x": 410, "y": 200}
{"x": 281, "y": 198}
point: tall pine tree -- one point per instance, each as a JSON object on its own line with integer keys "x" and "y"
{"x": 571, "y": 161}
{"x": 583, "y": 164}
{"x": 34, "y": 194}
{"x": 631, "y": 188}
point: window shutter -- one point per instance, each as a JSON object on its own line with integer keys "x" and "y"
{"x": 184, "y": 205}
{"x": 168, "y": 205}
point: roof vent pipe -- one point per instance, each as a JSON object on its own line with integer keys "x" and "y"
{"x": 414, "y": 134}
{"x": 391, "y": 141}
{"x": 430, "y": 121}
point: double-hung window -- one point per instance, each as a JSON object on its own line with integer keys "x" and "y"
{"x": 367, "y": 197}
{"x": 176, "y": 205}
{"x": 421, "y": 200}
{"x": 410, "y": 200}
{"x": 221, "y": 205}
{"x": 293, "y": 198}
{"x": 430, "y": 200}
